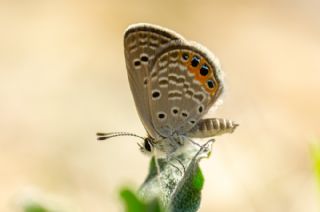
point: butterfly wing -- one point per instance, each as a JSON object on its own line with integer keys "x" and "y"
{"x": 141, "y": 41}
{"x": 185, "y": 81}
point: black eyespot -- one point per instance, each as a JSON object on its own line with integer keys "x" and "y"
{"x": 144, "y": 59}
{"x": 161, "y": 115}
{"x": 200, "y": 109}
{"x": 195, "y": 61}
{"x": 210, "y": 83}
{"x": 192, "y": 121}
{"x": 184, "y": 114}
{"x": 155, "y": 94}
{"x": 147, "y": 145}
{"x": 137, "y": 63}
{"x": 175, "y": 111}
{"x": 185, "y": 56}
{"x": 204, "y": 70}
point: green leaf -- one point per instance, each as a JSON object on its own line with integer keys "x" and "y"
{"x": 177, "y": 190}
{"x": 154, "y": 206}
{"x": 198, "y": 180}
{"x": 187, "y": 195}
{"x": 34, "y": 207}
{"x": 134, "y": 204}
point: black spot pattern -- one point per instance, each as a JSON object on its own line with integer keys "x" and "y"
{"x": 144, "y": 59}
{"x": 200, "y": 109}
{"x": 195, "y": 61}
{"x": 175, "y": 111}
{"x": 161, "y": 115}
{"x": 185, "y": 56}
{"x": 210, "y": 83}
{"x": 155, "y": 94}
{"x": 204, "y": 70}
{"x": 137, "y": 63}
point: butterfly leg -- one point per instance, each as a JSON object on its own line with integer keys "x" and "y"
{"x": 212, "y": 140}
{"x": 180, "y": 162}
{"x": 170, "y": 160}
{"x": 192, "y": 141}
{"x": 173, "y": 165}
{"x": 206, "y": 147}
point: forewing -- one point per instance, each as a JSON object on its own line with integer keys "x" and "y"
{"x": 185, "y": 82}
{"x": 141, "y": 41}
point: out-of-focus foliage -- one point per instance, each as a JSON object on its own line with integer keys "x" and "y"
{"x": 315, "y": 153}
{"x": 134, "y": 204}
{"x": 34, "y": 207}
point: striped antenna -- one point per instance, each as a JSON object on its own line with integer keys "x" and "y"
{"x": 105, "y": 136}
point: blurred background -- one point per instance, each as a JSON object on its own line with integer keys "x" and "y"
{"x": 63, "y": 78}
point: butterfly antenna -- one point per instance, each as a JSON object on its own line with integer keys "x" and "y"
{"x": 105, "y": 136}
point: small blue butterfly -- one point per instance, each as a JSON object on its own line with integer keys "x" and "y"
{"x": 174, "y": 82}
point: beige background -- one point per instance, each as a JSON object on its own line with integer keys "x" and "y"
{"x": 63, "y": 77}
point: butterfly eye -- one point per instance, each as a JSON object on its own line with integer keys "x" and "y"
{"x": 195, "y": 61}
{"x": 204, "y": 70}
{"x": 148, "y": 145}
{"x": 210, "y": 83}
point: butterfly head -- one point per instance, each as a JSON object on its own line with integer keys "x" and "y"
{"x": 147, "y": 146}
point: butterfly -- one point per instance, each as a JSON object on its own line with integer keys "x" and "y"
{"x": 174, "y": 82}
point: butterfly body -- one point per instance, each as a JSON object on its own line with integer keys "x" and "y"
{"x": 174, "y": 82}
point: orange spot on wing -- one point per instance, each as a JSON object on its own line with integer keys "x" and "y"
{"x": 202, "y": 79}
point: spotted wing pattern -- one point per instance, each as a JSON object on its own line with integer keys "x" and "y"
{"x": 184, "y": 82}
{"x": 141, "y": 42}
